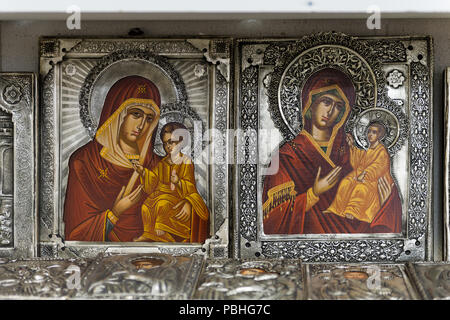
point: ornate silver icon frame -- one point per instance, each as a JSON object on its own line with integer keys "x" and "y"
{"x": 432, "y": 279}
{"x": 18, "y": 150}
{"x": 251, "y": 279}
{"x": 41, "y": 279}
{"x": 268, "y": 74}
{"x": 195, "y": 74}
{"x": 153, "y": 276}
{"x": 361, "y": 281}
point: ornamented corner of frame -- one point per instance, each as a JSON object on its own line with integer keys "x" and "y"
{"x": 413, "y": 250}
{"x": 52, "y": 52}
{"x": 251, "y": 249}
{"x": 216, "y": 52}
{"x": 252, "y": 55}
{"x": 418, "y": 50}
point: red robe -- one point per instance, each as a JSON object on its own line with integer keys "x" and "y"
{"x": 92, "y": 188}
{"x": 299, "y": 162}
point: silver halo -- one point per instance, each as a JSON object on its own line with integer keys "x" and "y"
{"x": 387, "y": 118}
{"x": 296, "y": 74}
{"x": 117, "y": 71}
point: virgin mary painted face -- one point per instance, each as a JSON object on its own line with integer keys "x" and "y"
{"x": 325, "y": 110}
{"x": 136, "y": 123}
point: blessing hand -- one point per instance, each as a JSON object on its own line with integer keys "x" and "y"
{"x": 327, "y": 182}
{"x": 121, "y": 204}
{"x": 138, "y": 168}
{"x": 384, "y": 190}
{"x": 185, "y": 213}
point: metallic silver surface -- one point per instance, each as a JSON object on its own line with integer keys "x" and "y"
{"x": 268, "y": 75}
{"x": 159, "y": 276}
{"x": 197, "y": 93}
{"x": 40, "y": 278}
{"x": 389, "y": 121}
{"x": 18, "y": 190}
{"x": 137, "y": 276}
{"x": 226, "y": 279}
{"x": 358, "y": 282}
{"x": 431, "y": 279}
{"x": 447, "y": 168}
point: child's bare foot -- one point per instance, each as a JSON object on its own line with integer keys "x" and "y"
{"x": 160, "y": 233}
{"x": 349, "y": 216}
{"x": 142, "y": 239}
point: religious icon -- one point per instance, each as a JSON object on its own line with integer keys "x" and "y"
{"x": 328, "y": 156}
{"x": 331, "y": 191}
{"x": 133, "y": 165}
{"x": 107, "y": 207}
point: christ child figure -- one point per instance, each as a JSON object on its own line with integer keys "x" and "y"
{"x": 173, "y": 200}
{"x": 357, "y": 196}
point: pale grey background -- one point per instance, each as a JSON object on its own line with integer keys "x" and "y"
{"x": 19, "y": 52}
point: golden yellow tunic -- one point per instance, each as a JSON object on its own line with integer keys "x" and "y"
{"x": 361, "y": 199}
{"x": 158, "y": 211}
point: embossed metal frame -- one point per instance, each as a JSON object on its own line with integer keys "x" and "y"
{"x": 222, "y": 279}
{"x": 117, "y": 277}
{"x": 415, "y": 241}
{"x": 447, "y": 166}
{"x": 331, "y": 277}
{"x": 431, "y": 279}
{"x": 215, "y": 53}
{"x": 41, "y": 278}
{"x": 18, "y": 96}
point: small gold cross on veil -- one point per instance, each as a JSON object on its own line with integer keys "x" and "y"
{"x": 103, "y": 173}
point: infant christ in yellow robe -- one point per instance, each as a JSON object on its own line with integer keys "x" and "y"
{"x": 357, "y": 195}
{"x": 170, "y": 185}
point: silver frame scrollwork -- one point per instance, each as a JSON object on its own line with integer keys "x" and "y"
{"x": 18, "y": 96}
{"x": 216, "y": 52}
{"x": 42, "y": 278}
{"x": 416, "y": 244}
{"x": 175, "y": 279}
{"x": 221, "y": 279}
{"x": 430, "y": 279}
{"x": 329, "y": 280}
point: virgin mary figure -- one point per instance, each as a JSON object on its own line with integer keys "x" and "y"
{"x": 312, "y": 164}
{"x": 104, "y": 197}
